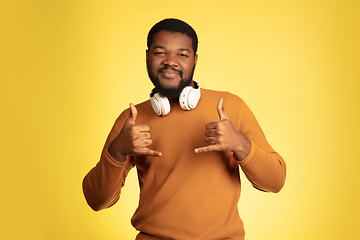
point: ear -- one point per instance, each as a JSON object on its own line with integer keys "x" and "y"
{"x": 195, "y": 59}
{"x": 147, "y": 55}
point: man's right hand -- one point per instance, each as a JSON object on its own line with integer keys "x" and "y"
{"x": 132, "y": 139}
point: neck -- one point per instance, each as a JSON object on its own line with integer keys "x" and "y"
{"x": 176, "y": 99}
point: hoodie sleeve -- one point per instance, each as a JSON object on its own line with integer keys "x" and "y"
{"x": 264, "y": 167}
{"x": 102, "y": 185}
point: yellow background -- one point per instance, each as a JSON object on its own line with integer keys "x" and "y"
{"x": 69, "y": 67}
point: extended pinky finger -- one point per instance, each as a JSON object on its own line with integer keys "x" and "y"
{"x": 149, "y": 152}
{"x": 210, "y": 148}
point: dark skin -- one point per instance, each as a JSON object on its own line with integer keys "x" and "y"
{"x": 132, "y": 139}
{"x": 222, "y": 136}
{"x": 176, "y": 51}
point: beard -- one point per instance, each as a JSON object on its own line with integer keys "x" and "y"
{"x": 170, "y": 92}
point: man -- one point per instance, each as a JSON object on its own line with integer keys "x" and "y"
{"x": 187, "y": 144}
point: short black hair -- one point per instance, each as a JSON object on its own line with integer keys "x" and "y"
{"x": 174, "y": 26}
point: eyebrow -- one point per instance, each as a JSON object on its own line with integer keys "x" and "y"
{"x": 158, "y": 46}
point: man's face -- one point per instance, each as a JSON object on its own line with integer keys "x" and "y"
{"x": 171, "y": 62}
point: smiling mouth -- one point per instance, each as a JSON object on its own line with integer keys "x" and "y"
{"x": 170, "y": 73}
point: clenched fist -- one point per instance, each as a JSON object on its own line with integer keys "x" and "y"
{"x": 132, "y": 139}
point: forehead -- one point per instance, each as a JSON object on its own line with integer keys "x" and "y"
{"x": 170, "y": 40}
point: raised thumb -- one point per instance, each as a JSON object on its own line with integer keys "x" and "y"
{"x": 221, "y": 111}
{"x": 132, "y": 116}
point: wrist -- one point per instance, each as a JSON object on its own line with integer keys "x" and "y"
{"x": 114, "y": 153}
{"x": 243, "y": 150}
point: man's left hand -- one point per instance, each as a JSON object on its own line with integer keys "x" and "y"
{"x": 222, "y": 136}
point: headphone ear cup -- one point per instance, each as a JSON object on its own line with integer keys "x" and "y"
{"x": 183, "y": 98}
{"x": 194, "y": 97}
{"x": 161, "y": 105}
{"x": 189, "y": 98}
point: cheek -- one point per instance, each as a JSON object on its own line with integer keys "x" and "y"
{"x": 153, "y": 67}
{"x": 188, "y": 69}
{"x": 156, "y": 62}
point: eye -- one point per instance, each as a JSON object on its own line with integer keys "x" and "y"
{"x": 159, "y": 53}
{"x": 183, "y": 55}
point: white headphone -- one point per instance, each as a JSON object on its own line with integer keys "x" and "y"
{"x": 188, "y": 99}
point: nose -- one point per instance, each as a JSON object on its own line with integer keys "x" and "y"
{"x": 170, "y": 60}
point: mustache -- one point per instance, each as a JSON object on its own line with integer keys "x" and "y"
{"x": 170, "y": 68}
